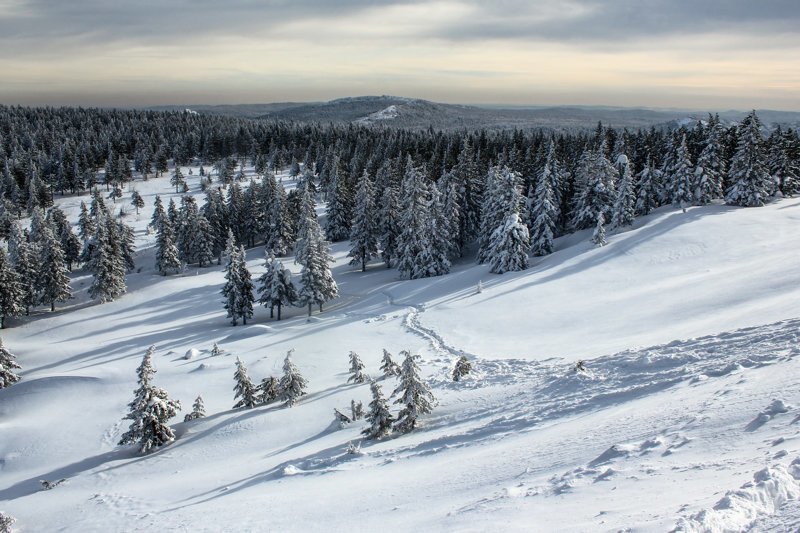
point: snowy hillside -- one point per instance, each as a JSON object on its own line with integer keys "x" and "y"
{"x": 686, "y": 416}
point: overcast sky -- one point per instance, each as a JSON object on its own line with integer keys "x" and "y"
{"x": 714, "y": 54}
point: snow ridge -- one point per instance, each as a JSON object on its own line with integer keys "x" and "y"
{"x": 770, "y": 489}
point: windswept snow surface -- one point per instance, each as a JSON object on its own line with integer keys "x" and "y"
{"x": 688, "y": 323}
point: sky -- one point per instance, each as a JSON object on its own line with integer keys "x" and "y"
{"x": 698, "y": 54}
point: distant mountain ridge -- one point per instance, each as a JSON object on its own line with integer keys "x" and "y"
{"x": 415, "y": 113}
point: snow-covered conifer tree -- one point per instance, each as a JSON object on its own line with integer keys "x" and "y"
{"x": 167, "y": 259}
{"x": 682, "y": 176}
{"x": 599, "y": 234}
{"x": 595, "y": 182}
{"x": 238, "y": 288}
{"x": 150, "y": 410}
{"x": 748, "y": 175}
{"x": 462, "y": 368}
{"x": 198, "y": 410}
{"x": 647, "y": 180}
{"x": 710, "y": 169}
{"x": 276, "y": 288}
{"x": 246, "y": 391}
{"x": 509, "y": 246}
{"x": 6, "y": 522}
{"x": 11, "y": 293}
{"x": 107, "y": 263}
{"x": 624, "y": 205}
{"x": 292, "y": 385}
{"x": 269, "y": 389}
{"x": 379, "y": 417}
{"x": 356, "y": 369}
{"x": 317, "y": 285}
{"x": 388, "y": 366}
{"x": 364, "y": 233}
{"x": 415, "y": 396}
{"x": 86, "y": 223}
{"x": 544, "y": 208}
{"x": 414, "y": 220}
{"x": 136, "y": 200}
{"x": 53, "y": 280}
{"x": 8, "y": 364}
{"x": 177, "y": 180}
{"x": 339, "y": 207}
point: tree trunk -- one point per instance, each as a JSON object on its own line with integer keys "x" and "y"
{"x": 279, "y": 311}
{"x": 52, "y": 306}
{"x": 309, "y": 308}
{"x": 363, "y": 262}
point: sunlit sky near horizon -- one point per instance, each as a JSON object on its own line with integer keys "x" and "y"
{"x": 718, "y": 54}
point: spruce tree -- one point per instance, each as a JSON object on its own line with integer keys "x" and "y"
{"x": 150, "y": 410}
{"x": 544, "y": 208}
{"x": 750, "y": 181}
{"x": 198, "y": 410}
{"x": 6, "y": 522}
{"x": 647, "y": 185}
{"x": 275, "y": 286}
{"x": 388, "y": 366}
{"x": 379, "y": 417}
{"x": 317, "y": 285}
{"x": 595, "y": 181}
{"x": 292, "y": 385}
{"x": 509, "y": 246}
{"x": 238, "y": 288}
{"x": 85, "y": 223}
{"x": 159, "y": 215}
{"x": 364, "y": 233}
{"x": 414, "y": 220}
{"x": 415, "y": 396}
{"x": 8, "y": 364}
{"x": 682, "y": 176}
{"x": 269, "y": 390}
{"x": 339, "y": 208}
{"x": 107, "y": 263}
{"x": 53, "y": 281}
{"x": 710, "y": 169}
{"x": 167, "y": 259}
{"x": 11, "y": 293}
{"x": 389, "y": 220}
{"x": 462, "y": 368}
{"x": 356, "y": 369}
{"x": 624, "y": 205}
{"x": 246, "y": 392}
{"x": 177, "y": 180}
{"x": 435, "y": 242}
{"x": 599, "y": 234}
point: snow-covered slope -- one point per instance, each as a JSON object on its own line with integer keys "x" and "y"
{"x": 689, "y": 325}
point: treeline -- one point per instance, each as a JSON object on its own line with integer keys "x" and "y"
{"x": 414, "y": 200}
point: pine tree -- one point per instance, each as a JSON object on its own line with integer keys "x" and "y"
{"x": 509, "y": 246}
{"x": 710, "y": 168}
{"x": 238, "y": 288}
{"x": 356, "y": 369}
{"x": 388, "y": 366}
{"x": 624, "y": 205}
{"x": 177, "y": 179}
{"x": 682, "y": 176}
{"x": 107, "y": 263}
{"x": 167, "y": 259}
{"x": 415, "y": 397}
{"x": 53, "y": 281}
{"x": 647, "y": 197}
{"x": 198, "y": 410}
{"x": 599, "y": 234}
{"x": 269, "y": 389}
{"x": 379, "y": 417}
{"x": 414, "y": 220}
{"x": 292, "y": 385}
{"x": 544, "y": 208}
{"x": 275, "y": 286}
{"x": 85, "y": 223}
{"x": 6, "y": 522}
{"x": 150, "y": 410}
{"x": 462, "y": 368}
{"x": 11, "y": 293}
{"x": 339, "y": 208}
{"x": 750, "y": 181}
{"x": 246, "y": 392}
{"x": 8, "y": 364}
{"x": 317, "y": 285}
{"x": 595, "y": 181}
{"x": 364, "y": 233}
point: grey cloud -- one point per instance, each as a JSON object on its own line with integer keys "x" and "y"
{"x": 620, "y": 21}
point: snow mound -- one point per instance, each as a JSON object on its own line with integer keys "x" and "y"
{"x": 737, "y": 510}
{"x": 248, "y": 332}
{"x": 191, "y": 353}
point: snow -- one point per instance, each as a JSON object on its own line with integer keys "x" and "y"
{"x": 687, "y": 323}
{"x": 384, "y": 114}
